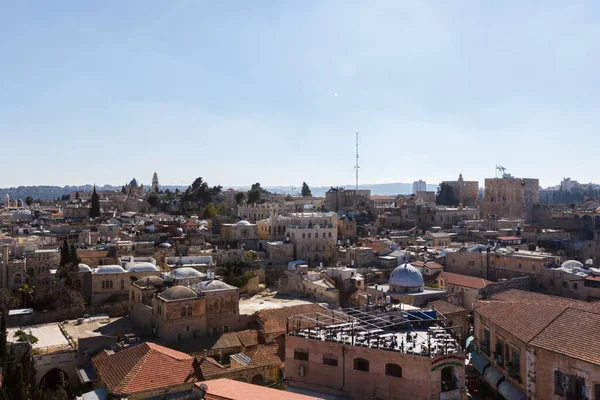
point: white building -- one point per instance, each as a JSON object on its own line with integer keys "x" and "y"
{"x": 419, "y": 186}
{"x": 314, "y": 235}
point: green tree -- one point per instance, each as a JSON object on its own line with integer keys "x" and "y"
{"x": 209, "y": 211}
{"x": 123, "y": 190}
{"x": 28, "y": 201}
{"x": 65, "y": 255}
{"x": 26, "y": 291}
{"x": 240, "y": 197}
{"x": 306, "y": 190}
{"x": 95, "y": 211}
{"x": 152, "y": 200}
{"x": 199, "y": 194}
{"x": 445, "y": 196}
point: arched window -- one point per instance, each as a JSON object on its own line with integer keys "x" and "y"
{"x": 18, "y": 279}
{"x": 122, "y": 284}
{"x": 216, "y": 305}
{"x": 449, "y": 380}
{"x": 103, "y": 284}
{"x": 221, "y": 304}
{"x": 189, "y": 311}
{"x": 393, "y": 370}
{"x": 360, "y": 364}
{"x": 183, "y": 312}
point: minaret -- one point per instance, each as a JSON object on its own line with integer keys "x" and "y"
{"x": 155, "y": 183}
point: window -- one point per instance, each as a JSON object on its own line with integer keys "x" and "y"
{"x": 323, "y": 235}
{"x": 189, "y": 311}
{"x": 393, "y": 370}
{"x": 214, "y": 331}
{"x": 303, "y": 236}
{"x": 575, "y": 285}
{"x": 519, "y": 265}
{"x": 122, "y": 284}
{"x": 309, "y": 235}
{"x": 597, "y": 391}
{"x": 301, "y": 354}
{"x": 183, "y": 312}
{"x": 499, "y": 351}
{"x": 515, "y": 363}
{"x": 330, "y": 359}
{"x": 225, "y": 328}
{"x": 360, "y": 364}
{"x": 561, "y": 380}
{"x": 564, "y": 285}
{"x": 485, "y": 345}
{"x": 533, "y": 267}
{"x": 330, "y": 235}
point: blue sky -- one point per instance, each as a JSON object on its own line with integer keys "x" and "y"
{"x": 239, "y": 92}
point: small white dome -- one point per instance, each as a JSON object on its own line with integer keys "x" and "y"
{"x": 186, "y": 273}
{"x": 164, "y": 245}
{"x": 110, "y": 269}
{"x": 571, "y": 264}
{"x": 84, "y": 268}
{"x": 142, "y": 267}
{"x": 207, "y": 286}
{"x": 406, "y": 278}
{"x": 243, "y": 223}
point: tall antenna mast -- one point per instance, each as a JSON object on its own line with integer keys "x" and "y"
{"x": 356, "y": 166}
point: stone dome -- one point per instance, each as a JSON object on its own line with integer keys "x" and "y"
{"x": 178, "y": 293}
{"x": 110, "y": 269}
{"x": 571, "y": 264}
{"x": 243, "y": 223}
{"x": 84, "y": 268}
{"x": 186, "y": 273}
{"x": 406, "y": 278}
{"x": 149, "y": 281}
{"x": 207, "y": 286}
{"x": 142, "y": 267}
{"x": 164, "y": 245}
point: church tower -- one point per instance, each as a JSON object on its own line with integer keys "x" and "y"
{"x": 155, "y": 183}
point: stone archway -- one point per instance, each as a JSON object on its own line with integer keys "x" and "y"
{"x": 52, "y": 379}
{"x": 258, "y": 380}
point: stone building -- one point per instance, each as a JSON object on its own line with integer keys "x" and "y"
{"x": 358, "y": 256}
{"x": 279, "y": 252}
{"x": 465, "y": 192}
{"x": 184, "y": 312}
{"x": 241, "y": 234}
{"x": 462, "y": 290}
{"x": 317, "y": 286}
{"x": 133, "y": 188}
{"x": 110, "y": 283}
{"x": 13, "y": 270}
{"x": 155, "y": 188}
{"x": 510, "y": 197}
{"x": 314, "y": 235}
{"x": 385, "y": 357}
{"x": 347, "y": 230}
{"x": 349, "y": 201}
{"x": 39, "y": 266}
{"x": 522, "y": 351}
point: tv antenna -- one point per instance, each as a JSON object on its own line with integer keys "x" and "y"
{"x": 501, "y": 170}
{"x": 356, "y": 166}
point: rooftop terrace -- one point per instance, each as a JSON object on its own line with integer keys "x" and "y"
{"x": 417, "y": 332}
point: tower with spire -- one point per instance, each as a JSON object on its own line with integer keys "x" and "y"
{"x": 155, "y": 183}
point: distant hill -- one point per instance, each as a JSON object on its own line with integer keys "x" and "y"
{"x": 54, "y": 192}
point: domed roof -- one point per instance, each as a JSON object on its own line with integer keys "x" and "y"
{"x": 207, "y": 286}
{"x": 110, "y": 269}
{"x": 178, "y": 293}
{"x": 133, "y": 183}
{"x": 164, "y": 245}
{"x": 84, "y": 268}
{"x": 149, "y": 281}
{"x": 406, "y": 276}
{"x": 142, "y": 267}
{"x": 243, "y": 223}
{"x": 185, "y": 273}
{"x": 571, "y": 264}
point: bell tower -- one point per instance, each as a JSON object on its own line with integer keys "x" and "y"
{"x": 155, "y": 183}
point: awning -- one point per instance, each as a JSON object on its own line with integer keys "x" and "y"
{"x": 87, "y": 374}
{"x": 510, "y": 392}
{"x": 469, "y": 340}
{"x": 493, "y": 376}
{"x": 479, "y": 362}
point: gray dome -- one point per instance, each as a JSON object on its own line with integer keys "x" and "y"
{"x": 207, "y": 286}
{"x": 185, "y": 273}
{"x": 149, "y": 281}
{"x": 164, "y": 245}
{"x": 243, "y": 223}
{"x": 84, "y": 268}
{"x": 142, "y": 267}
{"x": 406, "y": 278}
{"x": 110, "y": 269}
{"x": 178, "y": 293}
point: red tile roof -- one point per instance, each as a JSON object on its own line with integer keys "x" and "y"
{"x": 428, "y": 264}
{"x": 143, "y": 367}
{"x": 236, "y": 390}
{"x": 447, "y": 308}
{"x": 248, "y": 338}
{"x": 508, "y": 238}
{"x": 464, "y": 280}
{"x": 556, "y": 337}
{"x": 275, "y": 320}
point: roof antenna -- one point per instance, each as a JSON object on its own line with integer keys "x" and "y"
{"x": 356, "y": 166}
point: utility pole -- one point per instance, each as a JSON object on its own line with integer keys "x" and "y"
{"x": 356, "y": 166}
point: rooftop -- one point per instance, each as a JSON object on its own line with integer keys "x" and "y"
{"x": 50, "y": 337}
{"x": 464, "y": 280}
{"x": 249, "y": 306}
{"x": 416, "y": 332}
{"x": 229, "y": 389}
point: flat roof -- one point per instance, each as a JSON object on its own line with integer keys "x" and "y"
{"x": 257, "y": 303}
{"x": 98, "y": 325}
{"x": 50, "y": 337}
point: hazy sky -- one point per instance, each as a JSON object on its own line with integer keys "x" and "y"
{"x": 240, "y": 91}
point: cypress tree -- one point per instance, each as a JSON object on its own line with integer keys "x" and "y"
{"x": 65, "y": 255}
{"x": 95, "y": 211}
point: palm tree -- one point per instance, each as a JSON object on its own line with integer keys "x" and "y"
{"x": 26, "y": 291}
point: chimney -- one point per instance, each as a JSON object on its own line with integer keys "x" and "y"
{"x": 205, "y": 353}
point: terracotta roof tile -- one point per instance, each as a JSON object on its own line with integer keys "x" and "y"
{"x": 556, "y": 337}
{"x": 248, "y": 337}
{"x": 522, "y": 321}
{"x": 275, "y": 320}
{"x": 135, "y": 369}
{"x": 236, "y": 390}
{"x": 208, "y": 368}
{"x": 446, "y": 307}
{"x": 525, "y": 297}
{"x": 227, "y": 340}
{"x": 465, "y": 280}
